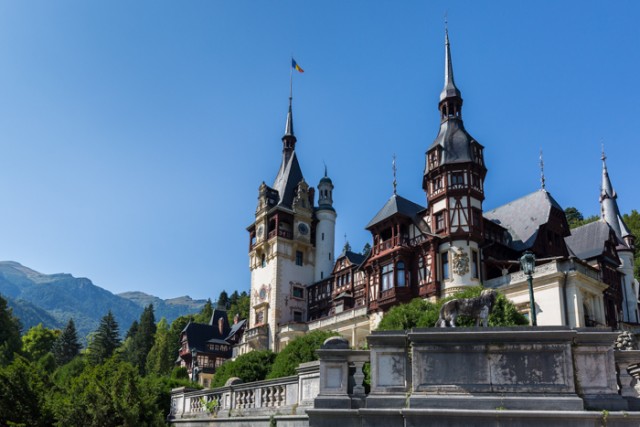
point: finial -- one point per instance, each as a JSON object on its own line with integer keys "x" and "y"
{"x": 395, "y": 182}
{"x": 325, "y": 169}
{"x": 446, "y": 21}
{"x": 542, "y": 180}
{"x": 604, "y": 157}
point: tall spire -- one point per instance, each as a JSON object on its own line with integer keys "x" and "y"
{"x": 608, "y": 205}
{"x": 450, "y": 90}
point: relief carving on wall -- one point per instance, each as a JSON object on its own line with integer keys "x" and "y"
{"x": 460, "y": 263}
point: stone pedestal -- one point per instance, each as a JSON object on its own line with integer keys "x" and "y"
{"x": 596, "y": 369}
{"x": 493, "y": 368}
{"x": 390, "y": 370}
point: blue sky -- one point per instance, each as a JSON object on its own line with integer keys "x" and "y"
{"x": 134, "y": 135}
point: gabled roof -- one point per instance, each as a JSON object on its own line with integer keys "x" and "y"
{"x": 236, "y": 327}
{"x": 588, "y": 241}
{"x": 353, "y": 257}
{"x": 396, "y": 205}
{"x": 288, "y": 178}
{"x": 523, "y": 217}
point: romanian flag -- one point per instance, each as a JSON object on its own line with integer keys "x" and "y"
{"x": 295, "y": 66}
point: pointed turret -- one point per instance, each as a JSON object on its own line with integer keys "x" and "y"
{"x": 450, "y": 90}
{"x": 289, "y": 138}
{"x": 609, "y": 206}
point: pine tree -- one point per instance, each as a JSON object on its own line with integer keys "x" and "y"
{"x": 105, "y": 340}
{"x": 205, "y": 314}
{"x": 160, "y": 359}
{"x": 144, "y": 338}
{"x": 223, "y": 300}
{"x": 67, "y": 345}
{"x": 10, "y": 342}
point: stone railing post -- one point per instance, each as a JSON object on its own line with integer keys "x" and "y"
{"x": 334, "y": 374}
{"x": 595, "y": 369}
{"x": 628, "y": 375}
{"x": 390, "y": 369}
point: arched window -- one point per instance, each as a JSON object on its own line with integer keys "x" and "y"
{"x": 263, "y": 261}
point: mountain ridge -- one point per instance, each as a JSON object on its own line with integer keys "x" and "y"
{"x": 52, "y": 299}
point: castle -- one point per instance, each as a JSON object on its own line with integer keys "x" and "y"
{"x": 584, "y": 276}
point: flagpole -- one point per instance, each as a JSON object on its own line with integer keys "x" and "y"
{"x": 291, "y": 81}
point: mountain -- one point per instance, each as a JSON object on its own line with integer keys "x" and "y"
{"x": 54, "y": 298}
{"x": 170, "y": 308}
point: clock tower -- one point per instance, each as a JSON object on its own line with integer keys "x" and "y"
{"x": 282, "y": 251}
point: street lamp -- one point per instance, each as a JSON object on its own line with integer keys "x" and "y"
{"x": 528, "y": 265}
{"x": 195, "y": 370}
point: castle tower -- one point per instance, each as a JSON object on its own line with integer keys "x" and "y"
{"x": 611, "y": 215}
{"x": 325, "y": 229}
{"x": 281, "y": 250}
{"x": 454, "y": 184}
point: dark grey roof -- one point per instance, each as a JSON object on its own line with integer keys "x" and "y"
{"x": 455, "y": 142}
{"x": 609, "y": 205}
{"x": 288, "y": 178}
{"x": 588, "y": 241}
{"x": 288, "y": 127}
{"x": 236, "y": 327}
{"x": 523, "y": 217}
{"x": 353, "y": 257}
{"x": 396, "y": 205}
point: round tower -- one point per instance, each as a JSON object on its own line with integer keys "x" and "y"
{"x": 325, "y": 229}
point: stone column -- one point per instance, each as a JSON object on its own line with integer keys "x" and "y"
{"x": 596, "y": 371}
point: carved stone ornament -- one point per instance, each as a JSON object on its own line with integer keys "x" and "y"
{"x": 460, "y": 263}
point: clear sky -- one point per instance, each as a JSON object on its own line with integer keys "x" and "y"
{"x": 134, "y": 134}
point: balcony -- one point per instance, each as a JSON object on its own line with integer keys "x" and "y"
{"x": 258, "y": 337}
{"x": 281, "y": 233}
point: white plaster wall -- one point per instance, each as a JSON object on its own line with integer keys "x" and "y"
{"x": 325, "y": 249}
{"x": 629, "y": 288}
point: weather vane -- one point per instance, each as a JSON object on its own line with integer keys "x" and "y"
{"x": 542, "y": 180}
{"x": 395, "y": 182}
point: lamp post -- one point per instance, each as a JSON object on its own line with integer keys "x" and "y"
{"x": 195, "y": 370}
{"x": 528, "y": 264}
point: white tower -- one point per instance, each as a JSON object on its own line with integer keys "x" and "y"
{"x": 325, "y": 229}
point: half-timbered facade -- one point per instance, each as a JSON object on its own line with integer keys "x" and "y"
{"x": 584, "y": 277}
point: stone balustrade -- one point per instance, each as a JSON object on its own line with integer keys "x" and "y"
{"x": 338, "y": 318}
{"x": 288, "y": 396}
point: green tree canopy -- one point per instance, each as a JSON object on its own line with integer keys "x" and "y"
{"x": 633, "y": 222}
{"x": 160, "y": 359}
{"x": 106, "y": 395}
{"x": 205, "y": 314}
{"x": 576, "y": 219}
{"x": 67, "y": 345}
{"x": 422, "y": 314}
{"x": 10, "y": 342}
{"x": 300, "y": 350}
{"x": 38, "y": 341}
{"x": 105, "y": 341}
{"x": 239, "y": 305}
{"x": 252, "y": 366}
{"x": 23, "y": 390}
{"x": 144, "y": 338}
{"x": 223, "y": 300}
